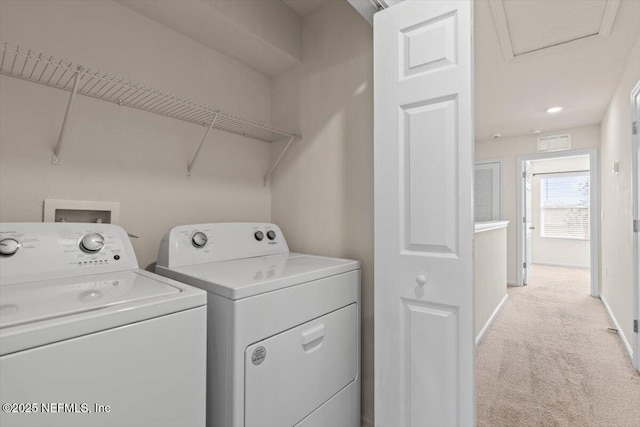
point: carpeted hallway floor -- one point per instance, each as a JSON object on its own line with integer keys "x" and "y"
{"x": 549, "y": 360}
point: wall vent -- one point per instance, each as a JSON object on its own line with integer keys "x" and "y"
{"x": 551, "y": 143}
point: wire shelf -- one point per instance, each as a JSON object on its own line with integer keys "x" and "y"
{"x": 45, "y": 69}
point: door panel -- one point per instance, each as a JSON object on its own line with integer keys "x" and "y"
{"x": 289, "y": 375}
{"x": 424, "y": 341}
{"x": 429, "y": 131}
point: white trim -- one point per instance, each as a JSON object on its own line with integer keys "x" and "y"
{"x": 635, "y": 191}
{"x": 493, "y": 316}
{"x": 490, "y": 225}
{"x": 594, "y": 226}
{"x": 609, "y": 17}
{"x": 511, "y": 283}
{"x": 559, "y": 264}
{"x": 502, "y": 28}
{"x": 616, "y": 325}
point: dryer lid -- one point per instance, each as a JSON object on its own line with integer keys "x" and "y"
{"x": 247, "y": 277}
{"x": 34, "y": 302}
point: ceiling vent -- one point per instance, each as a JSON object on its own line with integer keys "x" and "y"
{"x": 551, "y": 143}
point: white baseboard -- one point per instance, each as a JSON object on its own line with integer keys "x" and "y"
{"x": 365, "y": 421}
{"x": 559, "y": 264}
{"x": 625, "y": 342}
{"x": 493, "y": 316}
{"x": 512, "y": 283}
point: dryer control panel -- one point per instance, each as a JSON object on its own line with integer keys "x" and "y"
{"x": 39, "y": 251}
{"x": 203, "y": 243}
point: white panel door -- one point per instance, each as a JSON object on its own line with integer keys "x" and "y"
{"x": 424, "y": 335}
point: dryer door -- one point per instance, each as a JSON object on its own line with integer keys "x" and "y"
{"x": 291, "y": 374}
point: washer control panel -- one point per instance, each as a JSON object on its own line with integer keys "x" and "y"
{"x": 33, "y": 251}
{"x": 202, "y": 243}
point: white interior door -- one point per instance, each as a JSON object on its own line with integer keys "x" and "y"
{"x": 528, "y": 226}
{"x": 424, "y": 334}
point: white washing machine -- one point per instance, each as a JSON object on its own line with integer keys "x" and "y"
{"x": 284, "y": 328}
{"x": 87, "y": 339}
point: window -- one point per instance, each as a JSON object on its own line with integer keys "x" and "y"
{"x": 488, "y": 191}
{"x": 564, "y": 206}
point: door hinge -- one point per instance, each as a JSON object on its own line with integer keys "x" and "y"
{"x": 635, "y": 326}
{"x": 524, "y": 174}
{"x": 524, "y": 219}
{"x": 524, "y": 265}
{"x": 636, "y": 226}
{"x": 634, "y": 128}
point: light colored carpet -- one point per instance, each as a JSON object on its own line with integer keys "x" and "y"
{"x": 549, "y": 360}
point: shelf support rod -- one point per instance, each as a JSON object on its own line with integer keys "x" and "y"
{"x": 268, "y": 175}
{"x": 55, "y": 160}
{"x": 195, "y": 156}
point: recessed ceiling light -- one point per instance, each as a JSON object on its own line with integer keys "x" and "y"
{"x": 554, "y": 110}
{"x": 536, "y": 131}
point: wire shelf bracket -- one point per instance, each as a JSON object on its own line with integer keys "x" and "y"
{"x": 275, "y": 164}
{"x": 44, "y": 69}
{"x": 204, "y": 138}
{"x": 55, "y": 157}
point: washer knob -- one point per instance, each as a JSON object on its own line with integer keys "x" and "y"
{"x": 9, "y": 247}
{"x": 259, "y": 235}
{"x": 199, "y": 239}
{"x": 92, "y": 243}
{"x": 271, "y": 234}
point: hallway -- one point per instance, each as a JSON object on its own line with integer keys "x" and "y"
{"x": 549, "y": 359}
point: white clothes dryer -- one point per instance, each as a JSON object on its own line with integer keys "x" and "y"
{"x": 87, "y": 339}
{"x": 283, "y": 328}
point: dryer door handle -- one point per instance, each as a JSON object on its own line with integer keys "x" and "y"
{"x": 312, "y": 334}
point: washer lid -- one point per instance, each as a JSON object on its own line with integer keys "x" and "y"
{"x": 247, "y": 277}
{"x": 38, "y": 301}
{"x": 38, "y": 313}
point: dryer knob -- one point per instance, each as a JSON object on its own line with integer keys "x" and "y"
{"x": 259, "y": 235}
{"x": 199, "y": 239}
{"x": 271, "y": 234}
{"x": 92, "y": 243}
{"x": 9, "y": 247}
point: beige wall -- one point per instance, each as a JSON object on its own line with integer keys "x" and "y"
{"x": 509, "y": 149}
{"x": 616, "y": 199}
{"x": 490, "y": 274}
{"x": 119, "y": 154}
{"x": 323, "y": 190}
{"x": 565, "y": 252}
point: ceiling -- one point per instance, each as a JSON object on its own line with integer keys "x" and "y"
{"x": 305, "y": 7}
{"x": 531, "y": 55}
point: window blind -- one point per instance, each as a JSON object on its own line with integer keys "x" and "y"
{"x": 564, "y": 206}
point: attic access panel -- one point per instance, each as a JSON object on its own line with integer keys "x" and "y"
{"x": 528, "y": 26}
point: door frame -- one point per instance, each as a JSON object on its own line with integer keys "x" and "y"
{"x": 594, "y": 214}
{"x": 635, "y": 195}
